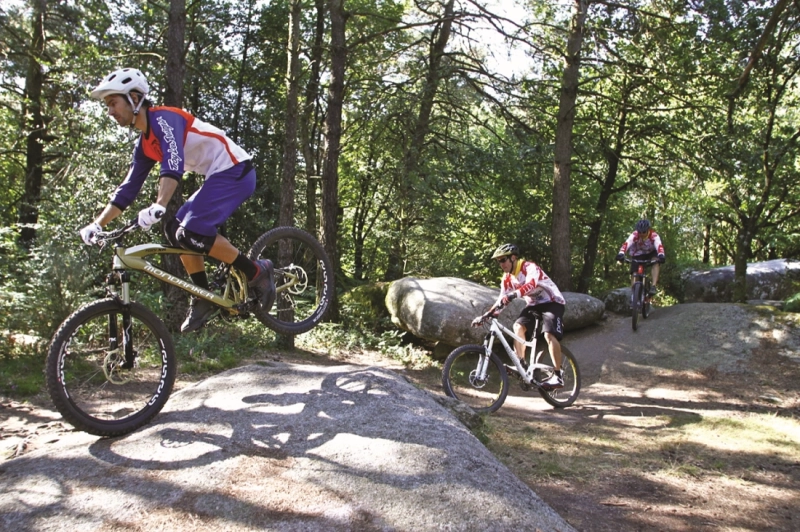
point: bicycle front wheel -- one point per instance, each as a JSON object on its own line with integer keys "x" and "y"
{"x": 636, "y": 304}
{"x": 476, "y": 379}
{"x": 303, "y": 279}
{"x": 110, "y": 368}
{"x": 562, "y": 397}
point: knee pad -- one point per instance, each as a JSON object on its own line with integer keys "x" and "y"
{"x": 188, "y": 239}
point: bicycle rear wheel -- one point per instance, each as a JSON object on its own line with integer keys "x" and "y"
{"x": 636, "y": 304}
{"x": 561, "y": 397}
{"x": 110, "y": 369}
{"x": 303, "y": 279}
{"x": 474, "y": 379}
{"x": 646, "y": 301}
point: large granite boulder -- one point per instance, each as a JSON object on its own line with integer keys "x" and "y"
{"x": 618, "y": 301}
{"x": 441, "y": 309}
{"x": 770, "y": 280}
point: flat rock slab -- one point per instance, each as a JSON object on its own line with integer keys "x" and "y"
{"x": 278, "y": 447}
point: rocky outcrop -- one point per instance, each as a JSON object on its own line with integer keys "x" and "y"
{"x": 284, "y": 448}
{"x": 618, "y": 301}
{"x": 770, "y": 280}
{"x": 441, "y": 309}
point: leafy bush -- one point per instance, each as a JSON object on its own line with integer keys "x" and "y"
{"x": 221, "y": 345}
{"x": 21, "y": 365}
{"x": 792, "y": 304}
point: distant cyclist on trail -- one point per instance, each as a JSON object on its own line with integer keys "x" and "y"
{"x": 182, "y": 143}
{"x": 644, "y": 244}
{"x": 526, "y": 279}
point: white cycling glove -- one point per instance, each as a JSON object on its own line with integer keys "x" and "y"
{"x": 150, "y": 216}
{"x": 88, "y": 233}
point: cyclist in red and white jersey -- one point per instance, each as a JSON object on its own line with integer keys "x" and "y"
{"x": 644, "y": 244}
{"x": 182, "y": 143}
{"x": 526, "y": 279}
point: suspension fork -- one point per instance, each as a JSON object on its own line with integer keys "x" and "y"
{"x": 123, "y": 297}
{"x": 483, "y": 360}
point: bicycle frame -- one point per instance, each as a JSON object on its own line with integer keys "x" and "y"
{"x": 133, "y": 258}
{"x": 640, "y": 274}
{"x": 496, "y": 330}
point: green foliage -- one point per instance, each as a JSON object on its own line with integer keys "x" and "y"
{"x": 364, "y": 307}
{"x": 21, "y": 365}
{"x": 792, "y": 304}
{"x": 394, "y": 345}
{"x": 364, "y": 321}
{"x": 218, "y": 347}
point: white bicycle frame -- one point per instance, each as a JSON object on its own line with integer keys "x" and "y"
{"x": 496, "y": 330}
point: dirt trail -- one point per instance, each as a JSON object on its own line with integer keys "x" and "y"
{"x": 689, "y": 423}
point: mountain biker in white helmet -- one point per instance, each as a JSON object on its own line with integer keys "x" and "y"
{"x": 644, "y": 244}
{"x": 526, "y": 279}
{"x": 182, "y": 143}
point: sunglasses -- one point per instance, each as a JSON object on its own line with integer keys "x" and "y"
{"x": 502, "y": 260}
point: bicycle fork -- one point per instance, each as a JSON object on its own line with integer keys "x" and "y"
{"x": 123, "y": 298}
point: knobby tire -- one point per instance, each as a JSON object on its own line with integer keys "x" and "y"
{"x": 93, "y": 384}
{"x": 636, "y": 304}
{"x": 300, "y": 259}
{"x": 562, "y": 397}
{"x": 458, "y": 379}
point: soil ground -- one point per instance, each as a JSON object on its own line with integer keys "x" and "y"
{"x": 643, "y": 448}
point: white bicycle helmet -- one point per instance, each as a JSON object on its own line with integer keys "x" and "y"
{"x": 123, "y": 81}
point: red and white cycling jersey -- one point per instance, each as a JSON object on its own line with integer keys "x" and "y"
{"x": 527, "y": 277}
{"x": 641, "y": 246}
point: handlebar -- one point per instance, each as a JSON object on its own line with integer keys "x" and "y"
{"x": 488, "y": 315}
{"x": 636, "y": 261}
{"x": 101, "y": 238}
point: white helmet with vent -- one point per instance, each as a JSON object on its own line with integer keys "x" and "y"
{"x": 124, "y": 81}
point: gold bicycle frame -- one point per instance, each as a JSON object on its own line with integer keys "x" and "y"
{"x": 133, "y": 258}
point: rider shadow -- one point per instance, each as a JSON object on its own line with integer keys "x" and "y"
{"x": 279, "y": 426}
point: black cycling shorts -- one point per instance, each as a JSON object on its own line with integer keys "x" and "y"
{"x": 643, "y": 256}
{"x": 552, "y": 319}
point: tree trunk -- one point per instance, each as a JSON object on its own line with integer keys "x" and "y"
{"x": 744, "y": 240}
{"x": 173, "y": 97}
{"x": 308, "y": 123}
{"x": 407, "y": 193}
{"x": 596, "y": 226}
{"x": 333, "y": 134}
{"x": 560, "y": 233}
{"x": 289, "y": 166}
{"x": 176, "y": 62}
{"x": 240, "y": 88}
{"x": 35, "y": 124}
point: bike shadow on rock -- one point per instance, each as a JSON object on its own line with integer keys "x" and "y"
{"x": 279, "y": 424}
